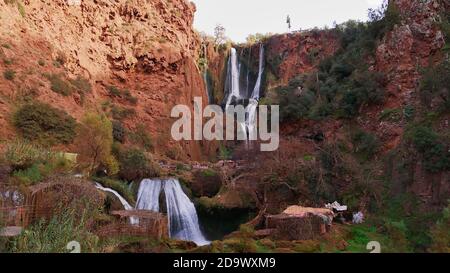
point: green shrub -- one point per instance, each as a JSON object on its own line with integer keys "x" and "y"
{"x": 224, "y": 152}
{"x": 9, "y": 74}
{"x": 295, "y": 100}
{"x": 135, "y": 165}
{"x": 141, "y": 138}
{"x": 393, "y": 115}
{"x": 8, "y": 61}
{"x": 435, "y": 151}
{"x": 21, "y": 9}
{"x": 121, "y": 113}
{"x": 43, "y": 123}
{"x": 119, "y": 131}
{"x": 209, "y": 173}
{"x": 409, "y": 112}
{"x": 173, "y": 153}
{"x": 59, "y": 85}
{"x": 82, "y": 84}
{"x": 125, "y": 94}
{"x": 29, "y": 176}
{"x": 41, "y": 62}
{"x": 436, "y": 85}
{"x": 365, "y": 144}
{"x": 114, "y": 91}
{"x": 440, "y": 234}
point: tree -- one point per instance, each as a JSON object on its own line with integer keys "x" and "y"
{"x": 94, "y": 141}
{"x": 219, "y": 35}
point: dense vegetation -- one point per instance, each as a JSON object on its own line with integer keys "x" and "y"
{"x": 44, "y": 123}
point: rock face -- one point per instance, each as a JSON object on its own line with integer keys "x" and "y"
{"x": 146, "y": 47}
{"x": 409, "y": 46}
{"x": 297, "y": 53}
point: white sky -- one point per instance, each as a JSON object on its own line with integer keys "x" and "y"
{"x": 243, "y": 17}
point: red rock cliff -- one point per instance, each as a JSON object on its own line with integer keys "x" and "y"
{"x": 148, "y": 47}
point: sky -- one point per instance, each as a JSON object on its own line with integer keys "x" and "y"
{"x": 243, "y": 17}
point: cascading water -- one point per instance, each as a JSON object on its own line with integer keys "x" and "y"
{"x": 251, "y": 109}
{"x": 249, "y": 127}
{"x": 257, "y": 90}
{"x": 233, "y": 77}
{"x": 148, "y": 195}
{"x": 125, "y": 204}
{"x": 183, "y": 219}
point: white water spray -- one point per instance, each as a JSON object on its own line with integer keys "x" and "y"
{"x": 125, "y": 204}
{"x": 183, "y": 219}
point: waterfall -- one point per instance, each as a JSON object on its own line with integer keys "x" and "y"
{"x": 257, "y": 89}
{"x": 249, "y": 127}
{"x": 125, "y": 204}
{"x": 182, "y": 216}
{"x": 251, "y": 109}
{"x": 148, "y": 195}
{"x": 208, "y": 94}
{"x": 233, "y": 75}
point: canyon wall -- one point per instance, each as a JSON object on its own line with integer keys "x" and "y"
{"x": 147, "y": 47}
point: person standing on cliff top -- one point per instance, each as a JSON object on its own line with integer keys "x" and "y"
{"x": 288, "y": 22}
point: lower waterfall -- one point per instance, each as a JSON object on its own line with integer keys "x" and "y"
{"x": 125, "y": 204}
{"x": 183, "y": 219}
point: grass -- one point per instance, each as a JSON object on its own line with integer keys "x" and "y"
{"x": 54, "y": 235}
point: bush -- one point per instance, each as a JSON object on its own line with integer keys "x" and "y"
{"x": 435, "y": 152}
{"x": 9, "y": 74}
{"x": 135, "y": 165}
{"x": 59, "y": 85}
{"x": 45, "y": 124}
{"x": 125, "y": 94}
{"x": 295, "y": 100}
{"x": 121, "y": 113}
{"x": 436, "y": 85}
{"x": 82, "y": 84}
{"x": 94, "y": 141}
{"x": 365, "y": 144}
{"x": 119, "y": 131}
{"x": 440, "y": 233}
{"x": 141, "y": 138}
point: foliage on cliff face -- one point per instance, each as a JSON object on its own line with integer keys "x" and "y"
{"x": 45, "y": 124}
{"x": 440, "y": 233}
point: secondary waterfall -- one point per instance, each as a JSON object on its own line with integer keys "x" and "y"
{"x": 233, "y": 75}
{"x": 125, "y": 204}
{"x": 232, "y": 88}
{"x": 183, "y": 219}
